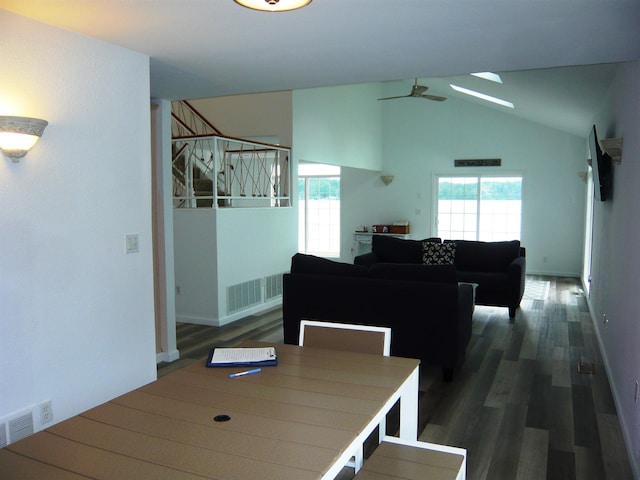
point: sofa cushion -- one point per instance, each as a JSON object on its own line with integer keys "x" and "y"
{"x": 310, "y": 264}
{"x": 485, "y": 256}
{"x": 395, "y": 250}
{"x": 398, "y": 250}
{"x": 438, "y": 253}
{"x": 420, "y": 273}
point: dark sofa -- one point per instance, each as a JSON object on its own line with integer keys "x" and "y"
{"x": 428, "y": 311}
{"x": 498, "y": 268}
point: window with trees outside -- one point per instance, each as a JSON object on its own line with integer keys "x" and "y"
{"x": 319, "y": 209}
{"x": 479, "y": 207}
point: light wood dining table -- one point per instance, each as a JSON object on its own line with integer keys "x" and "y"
{"x": 298, "y": 420}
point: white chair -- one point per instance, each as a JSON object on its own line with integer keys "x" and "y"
{"x": 395, "y": 458}
{"x": 345, "y": 336}
{"x": 351, "y": 338}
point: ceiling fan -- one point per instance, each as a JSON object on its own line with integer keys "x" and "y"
{"x": 417, "y": 91}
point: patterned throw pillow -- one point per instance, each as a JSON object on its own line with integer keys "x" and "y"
{"x": 438, "y": 253}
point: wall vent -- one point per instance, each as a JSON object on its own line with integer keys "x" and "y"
{"x": 3, "y": 435}
{"x": 478, "y": 162}
{"x": 20, "y": 427}
{"x": 272, "y": 286}
{"x": 244, "y": 295}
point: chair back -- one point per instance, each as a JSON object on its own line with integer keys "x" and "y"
{"x": 345, "y": 336}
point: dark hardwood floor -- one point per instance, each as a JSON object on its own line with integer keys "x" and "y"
{"x": 517, "y": 403}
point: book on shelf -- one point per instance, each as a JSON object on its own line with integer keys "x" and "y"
{"x": 236, "y": 357}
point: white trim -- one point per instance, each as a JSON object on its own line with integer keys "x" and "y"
{"x": 462, "y": 474}
{"x": 227, "y": 319}
{"x": 348, "y": 326}
{"x": 479, "y": 175}
{"x": 168, "y": 357}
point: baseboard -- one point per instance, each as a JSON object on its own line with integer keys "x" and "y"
{"x": 219, "y": 322}
{"x": 209, "y": 321}
{"x": 553, "y": 274}
{"x": 168, "y": 357}
{"x": 257, "y": 309}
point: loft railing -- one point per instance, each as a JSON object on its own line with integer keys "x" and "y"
{"x": 213, "y": 170}
{"x": 187, "y": 121}
{"x": 216, "y": 171}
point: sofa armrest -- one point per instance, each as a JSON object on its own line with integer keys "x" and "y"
{"x": 465, "y": 312}
{"x": 517, "y": 275}
{"x": 366, "y": 259}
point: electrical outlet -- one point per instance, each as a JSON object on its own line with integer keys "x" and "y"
{"x": 605, "y": 321}
{"x": 46, "y": 412}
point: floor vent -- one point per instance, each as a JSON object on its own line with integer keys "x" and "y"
{"x": 3, "y": 435}
{"x": 244, "y": 295}
{"x": 21, "y": 427}
{"x": 586, "y": 368}
{"x": 272, "y": 286}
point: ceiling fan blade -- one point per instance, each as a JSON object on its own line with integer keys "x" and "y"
{"x": 435, "y": 98}
{"x": 391, "y": 98}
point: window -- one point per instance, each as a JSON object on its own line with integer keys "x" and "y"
{"x": 319, "y": 209}
{"x": 478, "y": 207}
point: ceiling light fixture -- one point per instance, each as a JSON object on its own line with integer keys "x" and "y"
{"x": 19, "y": 134}
{"x": 482, "y": 96}
{"x": 273, "y": 5}
{"x": 492, "y": 77}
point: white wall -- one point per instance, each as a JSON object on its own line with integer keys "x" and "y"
{"x": 253, "y": 243}
{"x": 339, "y": 125}
{"x": 196, "y": 265}
{"x": 421, "y": 139}
{"x": 215, "y": 249}
{"x": 76, "y": 311}
{"x": 616, "y": 259}
{"x": 244, "y": 243}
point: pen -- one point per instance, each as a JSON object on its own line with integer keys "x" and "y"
{"x": 247, "y": 372}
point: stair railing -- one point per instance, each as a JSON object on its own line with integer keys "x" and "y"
{"x": 213, "y": 170}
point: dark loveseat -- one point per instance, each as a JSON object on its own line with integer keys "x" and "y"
{"x": 428, "y": 312}
{"x": 498, "y": 268}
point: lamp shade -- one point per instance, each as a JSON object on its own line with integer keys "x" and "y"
{"x": 274, "y": 5}
{"x": 19, "y": 134}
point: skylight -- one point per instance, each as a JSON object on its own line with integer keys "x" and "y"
{"x": 492, "y": 77}
{"x": 482, "y": 96}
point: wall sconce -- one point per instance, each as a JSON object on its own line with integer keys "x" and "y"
{"x": 387, "y": 179}
{"x": 19, "y": 134}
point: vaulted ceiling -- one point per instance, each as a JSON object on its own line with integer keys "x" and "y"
{"x": 205, "y": 48}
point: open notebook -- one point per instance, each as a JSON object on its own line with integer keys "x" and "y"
{"x": 234, "y": 357}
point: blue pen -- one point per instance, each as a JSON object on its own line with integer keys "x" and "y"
{"x": 248, "y": 372}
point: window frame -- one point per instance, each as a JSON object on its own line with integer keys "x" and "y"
{"x": 477, "y": 175}
{"x": 328, "y": 175}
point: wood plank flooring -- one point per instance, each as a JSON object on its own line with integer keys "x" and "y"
{"x": 517, "y": 403}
